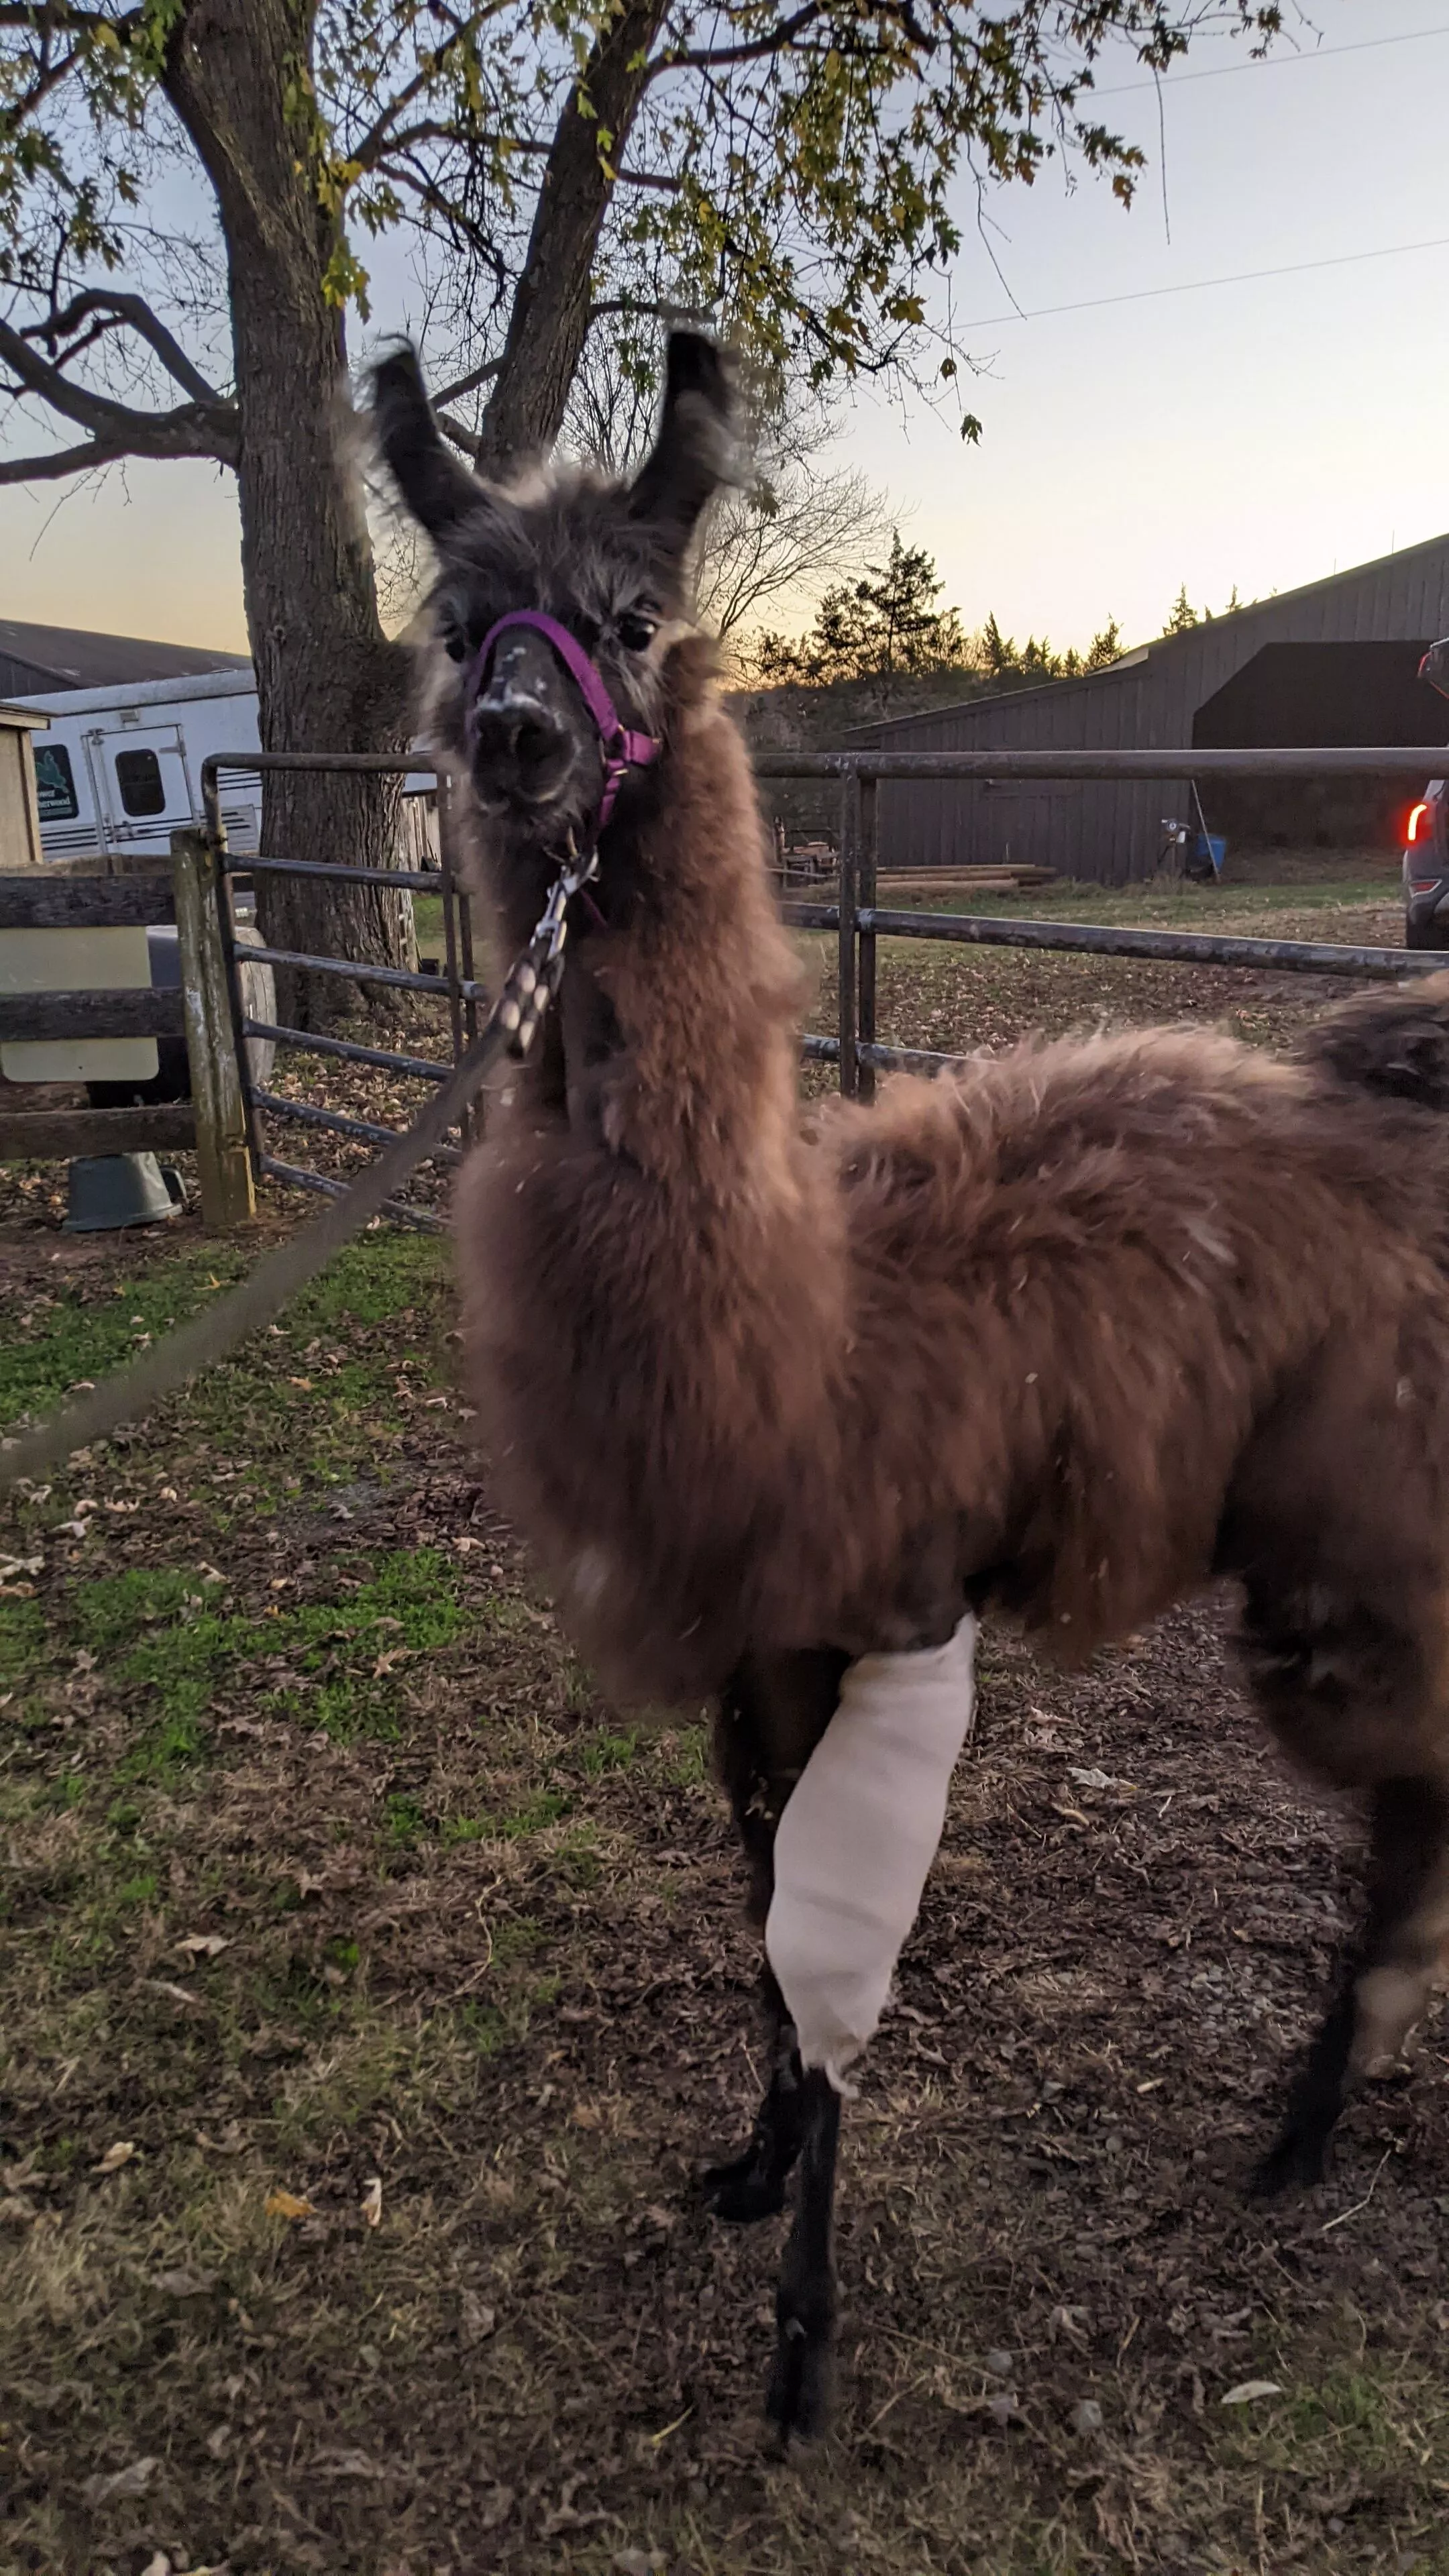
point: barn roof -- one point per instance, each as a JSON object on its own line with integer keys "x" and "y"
{"x": 1398, "y": 596}
{"x": 35, "y": 658}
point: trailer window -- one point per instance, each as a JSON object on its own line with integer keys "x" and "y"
{"x": 55, "y": 783}
{"x": 138, "y": 776}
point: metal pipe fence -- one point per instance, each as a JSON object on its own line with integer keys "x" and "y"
{"x": 456, "y": 984}
{"x": 856, "y": 920}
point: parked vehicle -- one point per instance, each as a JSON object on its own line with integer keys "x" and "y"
{"x": 1426, "y": 838}
{"x": 119, "y": 769}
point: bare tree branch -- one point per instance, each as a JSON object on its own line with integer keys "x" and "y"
{"x": 192, "y": 429}
{"x": 117, "y": 311}
{"x": 71, "y": 460}
{"x": 468, "y": 384}
{"x": 64, "y": 18}
{"x": 380, "y": 138}
{"x": 707, "y": 58}
{"x": 461, "y": 436}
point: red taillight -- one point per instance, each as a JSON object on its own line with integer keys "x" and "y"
{"x": 1421, "y": 824}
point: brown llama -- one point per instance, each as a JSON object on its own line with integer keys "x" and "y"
{"x": 1074, "y": 1331}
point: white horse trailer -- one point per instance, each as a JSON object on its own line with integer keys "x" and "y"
{"x": 119, "y": 769}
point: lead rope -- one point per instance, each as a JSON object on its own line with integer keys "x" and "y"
{"x": 511, "y": 1026}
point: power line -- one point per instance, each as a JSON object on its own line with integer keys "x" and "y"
{"x": 1269, "y": 62}
{"x": 1199, "y": 285}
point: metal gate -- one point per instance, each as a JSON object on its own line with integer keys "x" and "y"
{"x": 857, "y": 919}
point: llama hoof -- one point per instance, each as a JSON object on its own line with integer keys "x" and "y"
{"x": 799, "y": 2399}
{"x": 1299, "y": 2160}
{"x": 743, "y": 2191}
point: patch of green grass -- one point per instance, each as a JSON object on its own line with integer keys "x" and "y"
{"x": 1369, "y": 2413}
{"x": 22, "y": 1641}
{"x": 153, "y": 1628}
{"x": 604, "y": 1752}
{"x": 1166, "y": 905}
{"x": 75, "y": 1334}
{"x": 531, "y": 1818}
{"x": 516, "y": 1938}
{"x": 686, "y": 1757}
{"x": 302, "y": 1422}
{"x": 375, "y": 1282}
{"x": 403, "y": 1819}
{"x": 574, "y": 1860}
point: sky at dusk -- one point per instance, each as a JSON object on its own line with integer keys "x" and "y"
{"x": 1259, "y": 433}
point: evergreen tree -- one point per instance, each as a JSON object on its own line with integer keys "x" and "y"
{"x": 886, "y": 623}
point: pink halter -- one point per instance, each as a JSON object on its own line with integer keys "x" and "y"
{"x": 622, "y": 748}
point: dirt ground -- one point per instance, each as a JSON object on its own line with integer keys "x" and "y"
{"x": 369, "y": 1991}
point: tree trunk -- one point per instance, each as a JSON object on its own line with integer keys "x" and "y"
{"x": 327, "y": 678}
{"x": 550, "y": 318}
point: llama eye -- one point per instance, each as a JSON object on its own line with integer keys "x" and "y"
{"x": 455, "y": 643}
{"x": 635, "y": 631}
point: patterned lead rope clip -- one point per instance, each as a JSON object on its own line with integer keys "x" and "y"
{"x": 527, "y": 995}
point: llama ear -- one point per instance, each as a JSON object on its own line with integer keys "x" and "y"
{"x": 694, "y": 452}
{"x": 439, "y": 491}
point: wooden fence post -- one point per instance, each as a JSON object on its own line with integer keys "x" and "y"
{"x": 228, "y": 1196}
{"x": 867, "y": 895}
{"x": 850, "y": 837}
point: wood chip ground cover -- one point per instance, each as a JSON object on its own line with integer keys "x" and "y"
{"x": 369, "y": 1989}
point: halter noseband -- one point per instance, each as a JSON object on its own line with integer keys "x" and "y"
{"x": 622, "y": 748}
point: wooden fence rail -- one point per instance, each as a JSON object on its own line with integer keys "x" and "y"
{"x": 213, "y": 1120}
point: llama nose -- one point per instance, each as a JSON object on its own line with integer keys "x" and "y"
{"x": 518, "y": 742}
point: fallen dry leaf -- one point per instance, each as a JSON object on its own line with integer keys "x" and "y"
{"x": 115, "y": 2156}
{"x": 109, "y": 2487}
{"x": 1248, "y": 2389}
{"x": 182, "y": 2284}
{"x": 285, "y": 2204}
{"x": 203, "y": 1945}
{"x": 476, "y": 2322}
{"x": 372, "y": 2200}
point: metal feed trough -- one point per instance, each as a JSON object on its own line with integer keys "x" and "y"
{"x": 857, "y": 920}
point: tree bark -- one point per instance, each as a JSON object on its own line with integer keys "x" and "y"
{"x": 550, "y": 318}
{"x": 327, "y": 677}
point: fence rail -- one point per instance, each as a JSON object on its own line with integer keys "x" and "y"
{"x": 210, "y": 1121}
{"x": 1179, "y": 948}
{"x": 856, "y": 921}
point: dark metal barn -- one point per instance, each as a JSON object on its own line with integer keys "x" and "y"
{"x": 1336, "y": 662}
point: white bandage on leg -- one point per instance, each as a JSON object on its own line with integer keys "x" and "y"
{"x": 857, "y": 1837}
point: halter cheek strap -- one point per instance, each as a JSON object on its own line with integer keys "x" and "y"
{"x": 622, "y": 748}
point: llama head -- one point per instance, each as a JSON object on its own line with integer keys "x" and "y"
{"x": 607, "y": 559}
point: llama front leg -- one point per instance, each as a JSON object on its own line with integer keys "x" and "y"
{"x": 753, "y": 2185}
{"x": 851, "y": 1853}
{"x": 1386, "y": 1980}
{"x": 771, "y": 1716}
{"x": 798, "y": 2398}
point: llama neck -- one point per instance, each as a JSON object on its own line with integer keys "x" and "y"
{"x": 676, "y": 1025}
